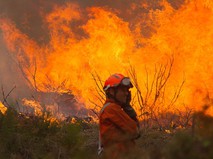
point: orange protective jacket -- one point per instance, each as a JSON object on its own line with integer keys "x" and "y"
{"x": 117, "y": 131}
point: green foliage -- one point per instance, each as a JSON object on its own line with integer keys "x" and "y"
{"x": 34, "y": 137}
{"x": 194, "y": 144}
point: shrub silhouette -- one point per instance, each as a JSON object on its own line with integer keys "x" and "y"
{"x": 196, "y": 143}
{"x": 33, "y": 137}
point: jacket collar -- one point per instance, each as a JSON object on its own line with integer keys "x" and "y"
{"x": 112, "y": 101}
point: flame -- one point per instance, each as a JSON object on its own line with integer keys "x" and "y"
{"x": 3, "y": 109}
{"x": 111, "y": 45}
{"x": 38, "y": 110}
{"x": 33, "y": 104}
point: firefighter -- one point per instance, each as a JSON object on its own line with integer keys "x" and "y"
{"x": 119, "y": 126}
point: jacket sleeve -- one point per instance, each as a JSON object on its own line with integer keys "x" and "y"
{"x": 117, "y": 116}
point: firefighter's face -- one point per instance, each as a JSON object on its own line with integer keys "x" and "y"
{"x": 122, "y": 94}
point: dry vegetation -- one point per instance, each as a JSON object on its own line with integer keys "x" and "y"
{"x": 164, "y": 134}
{"x": 29, "y": 137}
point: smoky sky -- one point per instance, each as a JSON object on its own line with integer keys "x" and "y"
{"x": 28, "y": 14}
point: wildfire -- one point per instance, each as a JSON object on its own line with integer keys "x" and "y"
{"x": 34, "y": 105}
{"x": 112, "y": 45}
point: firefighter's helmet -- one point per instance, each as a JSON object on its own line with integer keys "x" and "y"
{"x": 117, "y": 79}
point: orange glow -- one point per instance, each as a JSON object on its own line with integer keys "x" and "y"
{"x": 3, "y": 109}
{"x": 66, "y": 62}
{"x": 33, "y": 104}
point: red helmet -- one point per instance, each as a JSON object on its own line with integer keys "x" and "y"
{"x": 116, "y": 80}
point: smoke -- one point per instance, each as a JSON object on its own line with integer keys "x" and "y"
{"x": 10, "y": 76}
{"x": 28, "y": 14}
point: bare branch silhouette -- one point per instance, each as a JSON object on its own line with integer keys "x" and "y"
{"x": 99, "y": 93}
{"x": 5, "y": 96}
{"x": 152, "y": 101}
